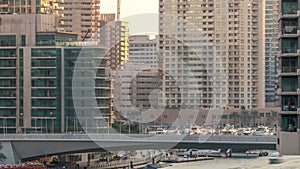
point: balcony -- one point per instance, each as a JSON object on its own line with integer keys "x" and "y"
{"x": 289, "y": 8}
{"x": 289, "y": 30}
{"x": 289, "y": 108}
{"x": 292, "y": 49}
{"x": 289, "y": 122}
{"x": 288, "y": 69}
{"x": 289, "y": 103}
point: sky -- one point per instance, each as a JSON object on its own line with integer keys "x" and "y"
{"x": 142, "y": 15}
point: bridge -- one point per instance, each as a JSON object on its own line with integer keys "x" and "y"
{"x": 26, "y": 146}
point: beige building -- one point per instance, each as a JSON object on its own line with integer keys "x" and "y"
{"x": 106, "y": 23}
{"x": 76, "y": 16}
{"x": 222, "y": 44}
{"x": 115, "y": 39}
{"x": 30, "y": 7}
{"x": 82, "y": 17}
{"x": 140, "y": 79}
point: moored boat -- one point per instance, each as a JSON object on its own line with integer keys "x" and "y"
{"x": 275, "y": 158}
{"x": 247, "y": 154}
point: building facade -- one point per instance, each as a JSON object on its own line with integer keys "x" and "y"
{"x": 115, "y": 39}
{"x": 288, "y": 56}
{"x": 143, "y": 50}
{"x": 76, "y": 16}
{"x": 106, "y": 22}
{"x": 82, "y": 17}
{"x": 222, "y": 42}
{"x": 30, "y": 7}
{"x": 40, "y": 75}
{"x": 139, "y": 77}
{"x": 271, "y": 52}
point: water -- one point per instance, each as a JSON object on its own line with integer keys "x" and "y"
{"x": 289, "y": 162}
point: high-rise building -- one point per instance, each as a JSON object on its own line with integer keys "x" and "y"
{"x": 76, "y": 16}
{"x": 143, "y": 50}
{"x": 106, "y": 22}
{"x": 42, "y": 71}
{"x": 288, "y": 73}
{"x": 30, "y": 7}
{"x": 82, "y": 17}
{"x": 115, "y": 39}
{"x": 222, "y": 44}
{"x": 140, "y": 77}
{"x": 271, "y": 52}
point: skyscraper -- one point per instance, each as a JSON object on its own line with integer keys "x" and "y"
{"x": 271, "y": 51}
{"x": 139, "y": 77}
{"x": 222, "y": 44}
{"x": 288, "y": 55}
{"x": 115, "y": 39}
{"x": 30, "y": 7}
{"x": 77, "y": 16}
{"x": 82, "y": 17}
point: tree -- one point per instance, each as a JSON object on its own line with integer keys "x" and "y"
{"x": 132, "y": 153}
{"x": 244, "y": 113}
{"x": 234, "y": 115}
{"x": 2, "y": 156}
{"x": 254, "y": 114}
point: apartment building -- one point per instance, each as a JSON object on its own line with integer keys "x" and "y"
{"x": 46, "y": 85}
{"x": 115, "y": 39}
{"x": 106, "y": 22}
{"x": 82, "y": 17}
{"x": 77, "y": 16}
{"x": 30, "y": 7}
{"x": 140, "y": 77}
{"x": 271, "y": 52}
{"x": 288, "y": 73}
{"x": 222, "y": 43}
{"x": 143, "y": 50}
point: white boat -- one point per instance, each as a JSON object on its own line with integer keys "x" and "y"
{"x": 209, "y": 153}
{"x": 247, "y": 154}
{"x": 275, "y": 158}
{"x": 199, "y": 153}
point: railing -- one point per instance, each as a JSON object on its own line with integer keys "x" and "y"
{"x": 290, "y": 29}
{"x": 138, "y": 138}
{"x": 288, "y": 69}
{"x": 289, "y": 49}
{"x": 289, "y": 108}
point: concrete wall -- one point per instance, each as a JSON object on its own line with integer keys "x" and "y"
{"x": 26, "y": 24}
{"x": 289, "y": 143}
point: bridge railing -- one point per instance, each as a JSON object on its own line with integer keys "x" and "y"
{"x": 138, "y": 137}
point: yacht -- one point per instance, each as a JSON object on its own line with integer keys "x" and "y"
{"x": 199, "y": 152}
{"x": 209, "y": 153}
{"x": 275, "y": 158}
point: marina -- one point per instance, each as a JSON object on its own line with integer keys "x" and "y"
{"x": 184, "y": 160}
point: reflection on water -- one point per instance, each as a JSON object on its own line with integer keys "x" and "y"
{"x": 290, "y": 162}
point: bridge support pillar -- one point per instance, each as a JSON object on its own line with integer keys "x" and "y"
{"x": 9, "y": 151}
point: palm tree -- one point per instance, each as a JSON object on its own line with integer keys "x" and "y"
{"x": 2, "y": 156}
{"x": 254, "y": 114}
{"x": 245, "y": 113}
{"x": 234, "y": 115}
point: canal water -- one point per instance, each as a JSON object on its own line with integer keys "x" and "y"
{"x": 289, "y": 162}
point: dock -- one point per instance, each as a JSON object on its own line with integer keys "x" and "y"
{"x": 183, "y": 160}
